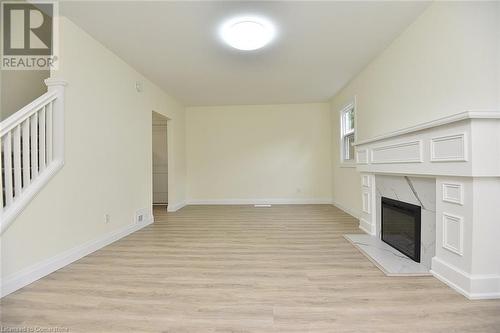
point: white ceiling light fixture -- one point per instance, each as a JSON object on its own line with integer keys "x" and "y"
{"x": 247, "y": 33}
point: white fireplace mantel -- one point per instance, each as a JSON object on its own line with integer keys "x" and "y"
{"x": 462, "y": 153}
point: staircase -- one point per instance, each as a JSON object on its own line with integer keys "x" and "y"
{"x": 32, "y": 150}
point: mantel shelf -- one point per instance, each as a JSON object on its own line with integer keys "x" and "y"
{"x": 434, "y": 123}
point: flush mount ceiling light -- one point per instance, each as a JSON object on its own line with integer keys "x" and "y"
{"x": 247, "y": 33}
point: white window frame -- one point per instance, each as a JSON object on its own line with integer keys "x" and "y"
{"x": 351, "y": 163}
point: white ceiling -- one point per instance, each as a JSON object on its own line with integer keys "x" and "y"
{"x": 320, "y": 47}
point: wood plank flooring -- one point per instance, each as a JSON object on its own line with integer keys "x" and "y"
{"x": 242, "y": 269}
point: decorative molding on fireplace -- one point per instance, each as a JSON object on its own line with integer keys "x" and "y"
{"x": 362, "y": 156}
{"x": 404, "y": 152}
{"x": 366, "y": 181}
{"x": 450, "y": 148}
{"x": 367, "y": 219}
{"x": 435, "y": 123}
{"x": 461, "y": 153}
{"x": 472, "y": 286}
{"x": 453, "y": 193}
{"x": 366, "y": 204}
{"x": 462, "y": 146}
{"x": 366, "y": 226}
{"x": 453, "y": 239}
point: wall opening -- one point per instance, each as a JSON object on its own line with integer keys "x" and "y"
{"x": 160, "y": 160}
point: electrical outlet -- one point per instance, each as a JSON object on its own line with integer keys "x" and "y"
{"x": 107, "y": 218}
{"x": 141, "y": 215}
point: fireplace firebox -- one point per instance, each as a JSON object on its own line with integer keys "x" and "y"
{"x": 401, "y": 224}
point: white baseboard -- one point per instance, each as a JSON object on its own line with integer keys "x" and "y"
{"x": 175, "y": 207}
{"x": 363, "y": 224}
{"x": 346, "y": 209}
{"x": 45, "y": 267}
{"x": 367, "y": 227}
{"x": 471, "y": 286}
{"x": 279, "y": 201}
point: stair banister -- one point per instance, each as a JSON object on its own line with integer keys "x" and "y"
{"x": 32, "y": 150}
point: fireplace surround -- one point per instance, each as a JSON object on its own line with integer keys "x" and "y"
{"x": 456, "y": 158}
{"x": 418, "y": 191}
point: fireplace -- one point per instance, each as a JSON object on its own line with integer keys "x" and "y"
{"x": 401, "y": 227}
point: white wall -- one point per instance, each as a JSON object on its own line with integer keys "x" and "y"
{"x": 277, "y": 153}
{"x": 19, "y": 88}
{"x": 108, "y": 167}
{"x": 446, "y": 62}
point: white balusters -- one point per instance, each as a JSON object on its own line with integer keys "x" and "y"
{"x": 7, "y": 167}
{"x": 49, "y": 131}
{"x": 41, "y": 139}
{"x": 32, "y": 150}
{"x": 26, "y": 152}
{"x": 34, "y": 145}
{"x": 16, "y": 146}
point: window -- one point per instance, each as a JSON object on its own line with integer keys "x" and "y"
{"x": 347, "y": 130}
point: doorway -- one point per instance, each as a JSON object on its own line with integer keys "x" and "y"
{"x": 160, "y": 159}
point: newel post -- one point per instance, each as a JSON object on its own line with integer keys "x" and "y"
{"x": 57, "y": 85}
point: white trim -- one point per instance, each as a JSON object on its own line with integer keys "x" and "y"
{"x": 346, "y": 209}
{"x": 367, "y": 227}
{"x": 8, "y": 216}
{"x": 53, "y": 81}
{"x": 275, "y": 201}
{"x": 471, "y": 286}
{"x": 14, "y": 120}
{"x": 362, "y": 156}
{"x": 347, "y": 165}
{"x": 417, "y": 159}
{"x": 175, "y": 207}
{"x": 320, "y": 201}
{"x": 366, "y": 201}
{"x": 45, "y": 267}
{"x": 365, "y": 180}
{"x": 447, "y": 218}
{"x": 457, "y": 158}
{"x": 438, "y": 122}
{"x": 351, "y": 104}
{"x": 447, "y": 198}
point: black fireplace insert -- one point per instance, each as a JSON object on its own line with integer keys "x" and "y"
{"x": 401, "y": 227}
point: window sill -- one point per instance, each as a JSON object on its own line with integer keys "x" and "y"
{"x": 347, "y": 164}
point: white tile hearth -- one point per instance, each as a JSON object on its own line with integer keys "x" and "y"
{"x": 385, "y": 257}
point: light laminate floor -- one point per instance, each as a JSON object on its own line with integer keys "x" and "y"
{"x": 241, "y": 269}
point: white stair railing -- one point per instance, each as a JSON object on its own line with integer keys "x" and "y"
{"x": 32, "y": 150}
